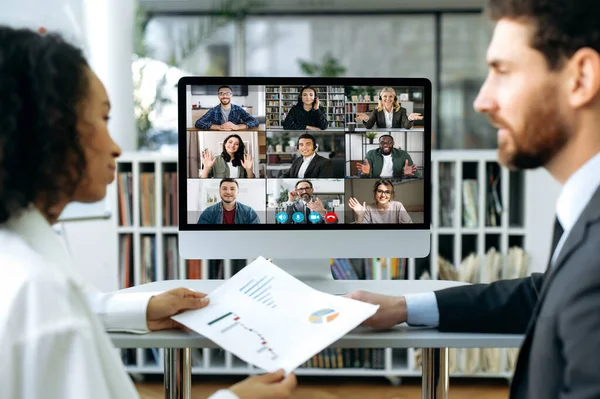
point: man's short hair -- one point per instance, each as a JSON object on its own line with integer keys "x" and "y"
{"x": 386, "y": 135}
{"x": 228, "y": 180}
{"x": 307, "y": 136}
{"x": 561, "y": 27}
{"x": 224, "y": 87}
{"x": 303, "y": 181}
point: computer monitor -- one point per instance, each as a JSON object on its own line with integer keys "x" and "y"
{"x": 304, "y": 168}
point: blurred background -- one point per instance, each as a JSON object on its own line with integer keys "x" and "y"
{"x": 442, "y": 40}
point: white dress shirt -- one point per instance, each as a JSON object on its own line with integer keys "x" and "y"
{"x": 388, "y": 118}
{"x": 575, "y": 195}
{"x": 304, "y": 166}
{"x": 52, "y": 324}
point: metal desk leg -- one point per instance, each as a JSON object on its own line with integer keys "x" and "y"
{"x": 435, "y": 373}
{"x": 178, "y": 373}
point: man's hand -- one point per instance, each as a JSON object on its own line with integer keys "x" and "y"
{"x": 392, "y": 309}
{"x": 409, "y": 170}
{"x": 161, "y": 307}
{"x": 266, "y": 386}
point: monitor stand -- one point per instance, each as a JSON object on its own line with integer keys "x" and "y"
{"x": 306, "y": 270}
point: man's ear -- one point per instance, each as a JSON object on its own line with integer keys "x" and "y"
{"x": 583, "y": 77}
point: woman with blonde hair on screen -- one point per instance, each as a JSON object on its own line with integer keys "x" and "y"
{"x": 55, "y": 148}
{"x": 383, "y": 210}
{"x": 388, "y": 114}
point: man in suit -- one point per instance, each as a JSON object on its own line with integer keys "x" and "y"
{"x": 304, "y": 207}
{"x": 542, "y": 92}
{"x": 310, "y": 164}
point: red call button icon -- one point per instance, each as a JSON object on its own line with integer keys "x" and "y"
{"x": 330, "y": 217}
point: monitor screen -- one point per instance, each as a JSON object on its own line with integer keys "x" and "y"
{"x": 329, "y": 167}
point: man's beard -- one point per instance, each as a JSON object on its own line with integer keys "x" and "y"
{"x": 545, "y": 133}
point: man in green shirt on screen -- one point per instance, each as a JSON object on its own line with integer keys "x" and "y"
{"x": 387, "y": 161}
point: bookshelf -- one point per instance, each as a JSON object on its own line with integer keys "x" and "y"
{"x": 454, "y": 236}
{"x": 279, "y": 100}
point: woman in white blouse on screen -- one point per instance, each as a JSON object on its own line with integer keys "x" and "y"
{"x": 55, "y": 148}
{"x": 383, "y": 210}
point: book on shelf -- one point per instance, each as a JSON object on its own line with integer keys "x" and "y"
{"x": 125, "y": 198}
{"x": 344, "y": 358}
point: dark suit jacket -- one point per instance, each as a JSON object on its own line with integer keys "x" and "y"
{"x": 399, "y": 120}
{"x": 559, "y": 313}
{"x": 318, "y": 167}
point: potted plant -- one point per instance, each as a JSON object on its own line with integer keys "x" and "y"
{"x": 371, "y": 136}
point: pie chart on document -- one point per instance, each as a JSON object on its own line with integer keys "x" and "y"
{"x": 323, "y": 316}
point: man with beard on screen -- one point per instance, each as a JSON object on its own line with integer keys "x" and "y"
{"x": 542, "y": 92}
{"x": 387, "y": 161}
{"x": 226, "y": 116}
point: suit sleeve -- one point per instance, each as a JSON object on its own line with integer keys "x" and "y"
{"x": 372, "y": 119}
{"x": 404, "y": 122}
{"x": 579, "y": 330}
{"x": 325, "y": 169}
{"x": 503, "y": 307}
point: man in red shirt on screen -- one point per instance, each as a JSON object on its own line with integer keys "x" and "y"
{"x": 228, "y": 210}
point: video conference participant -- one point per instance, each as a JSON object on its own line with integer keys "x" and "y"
{"x": 229, "y": 210}
{"x": 383, "y": 210}
{"x": 310, "y": 164}
{"x": 233, "y": 161}
{"x": 226, "y": 116}
{"x": 387, "y": 161}
{"x": 303, "y": 201}
{"x": 306, "y": 114}
{"x": 389, "y": 113}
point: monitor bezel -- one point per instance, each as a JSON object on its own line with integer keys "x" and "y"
{"x": 300, "y": 81}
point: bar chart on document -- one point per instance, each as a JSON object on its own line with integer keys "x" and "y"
{"x": 259, "y": 290}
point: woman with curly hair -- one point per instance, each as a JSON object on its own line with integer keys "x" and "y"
{"x": 233, "y": 162}
{"x": 54, "y": 149}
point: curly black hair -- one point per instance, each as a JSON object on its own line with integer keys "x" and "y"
{"x": 43, "y": 80}
{"x": 561, "y": 27}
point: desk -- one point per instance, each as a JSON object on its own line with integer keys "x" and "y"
{"x": 435, "y": 378}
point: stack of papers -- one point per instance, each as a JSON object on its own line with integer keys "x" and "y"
{"x": 272, "y": 320}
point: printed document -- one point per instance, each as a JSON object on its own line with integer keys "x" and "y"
{"x": 272, "y": 320}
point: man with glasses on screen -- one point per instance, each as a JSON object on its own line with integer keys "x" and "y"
{"x": 226, "y": 116}
{"x": 387, "y": 161}
{"x": 304, "y": 207}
